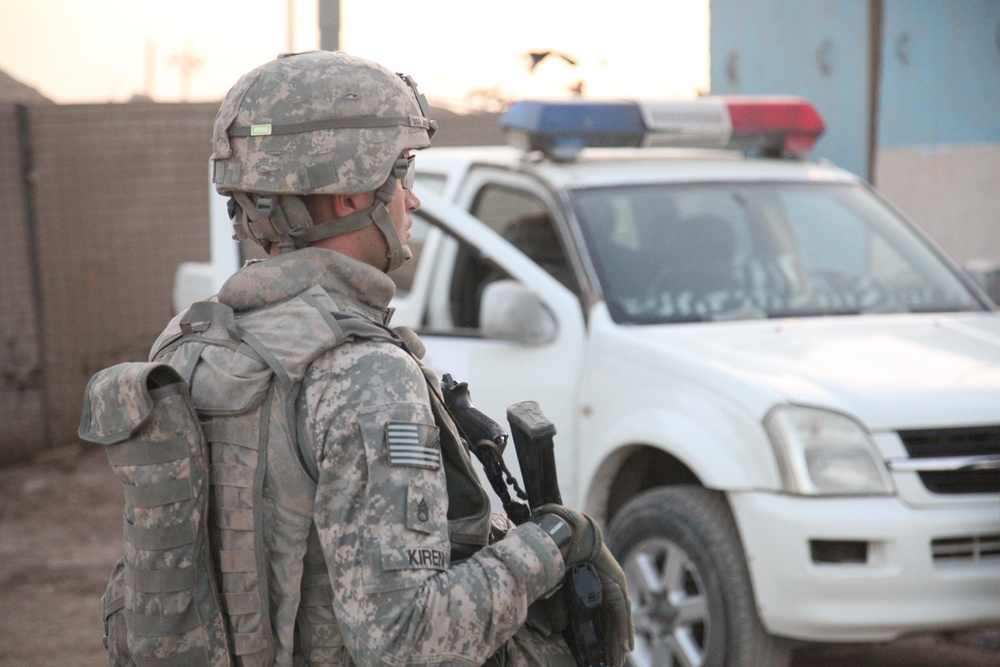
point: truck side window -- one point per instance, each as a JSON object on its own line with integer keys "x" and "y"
{"x": 500, "y": 206}
{"x": 522, "y": 219}
{"x": 536, "y": 237}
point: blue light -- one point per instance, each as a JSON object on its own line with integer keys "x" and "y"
{"x": 561, "y": 129}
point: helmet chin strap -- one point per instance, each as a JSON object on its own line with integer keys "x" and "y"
{"x": 377, "y": 214}
{"x": 399, "y": 252}
{"x": 286, "y": 221}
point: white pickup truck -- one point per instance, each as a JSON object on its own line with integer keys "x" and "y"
{"x": 782, "y": 400}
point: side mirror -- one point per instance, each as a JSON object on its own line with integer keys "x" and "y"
{"x": 511, "y": 311}
{"x": 986, "y": 274}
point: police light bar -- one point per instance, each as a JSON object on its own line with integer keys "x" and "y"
{"x": 772, "y": 126}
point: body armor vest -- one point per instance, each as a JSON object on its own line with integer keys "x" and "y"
{"x": 243, "y": 372}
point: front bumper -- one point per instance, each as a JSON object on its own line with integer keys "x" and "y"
{"x": 923, "y": 569}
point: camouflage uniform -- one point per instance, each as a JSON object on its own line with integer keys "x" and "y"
{"x": 344, "y": 522}
{"x": 399, "y": 569}
{"x": 376, "y": 532}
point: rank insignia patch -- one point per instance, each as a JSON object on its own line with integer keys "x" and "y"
{"x": 414, "y": 445}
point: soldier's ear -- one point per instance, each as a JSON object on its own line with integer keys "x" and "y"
{"x": 344, "y": 205}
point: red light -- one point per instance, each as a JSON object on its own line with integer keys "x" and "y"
{"x": 775, "y": 125}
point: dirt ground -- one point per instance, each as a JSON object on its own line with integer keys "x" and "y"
{"x": 60, "y": 534}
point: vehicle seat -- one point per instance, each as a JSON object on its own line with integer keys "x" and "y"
{"x": 536, "y": 237}
{"x": 616, "y": 258}
{"x": 700, "y": 272}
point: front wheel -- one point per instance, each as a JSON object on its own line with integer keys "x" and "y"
{"x": 692, "y": 603}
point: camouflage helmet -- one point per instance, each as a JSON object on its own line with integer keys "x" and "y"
{"x": 319, "y": 122}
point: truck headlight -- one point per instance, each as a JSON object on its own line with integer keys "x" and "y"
{"x": 825, "y": 453}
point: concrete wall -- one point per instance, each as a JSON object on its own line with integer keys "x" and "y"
{"x": 950, "y": 191}
{"x": 816, "y": 49}
{"x": 909, "y": 90}
{"x": 938, "y": 153}
{"x": 940, "y": 81}
{"x": 21, "y": 393}
{"x": 113, "y": 198}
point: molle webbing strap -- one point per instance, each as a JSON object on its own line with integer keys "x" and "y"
{"x": 239, "y": 460}
{"x": 167, "y": 537}
{"x": 233, "y": 519}
{"x": 267, "y": 357}
{"x": 162, "y": 581}
{"x": 205, "y": 315}
{"x": 237, "y": 561}
{"x": 347, "y": 327}
{"x": 248, "y": 643}
{"x": 195, "y": 656}
{"x": 239, "y": 604}
{"x": 157, "y": 495}
{"x": 213, "y": 322}
{"x": 232, "y": 475}
{"x": 147, "y": 453}
{"x": 224, "y": 430}
{"x": 157, "y": 625}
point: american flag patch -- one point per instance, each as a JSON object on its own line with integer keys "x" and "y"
{"x": 414, "y": 445}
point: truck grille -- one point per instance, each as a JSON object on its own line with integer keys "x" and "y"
{"x": 966, "y": 549}
{"x": 970, "y": 441}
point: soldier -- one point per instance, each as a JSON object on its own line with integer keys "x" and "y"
{"x": 400, "y": 565}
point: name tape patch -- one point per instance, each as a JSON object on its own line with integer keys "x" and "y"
{"x": 414, "y": 557}
{"x": 428, "y": 558}
{"x": 414, "y": 445}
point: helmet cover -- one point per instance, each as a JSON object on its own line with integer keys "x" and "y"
{"x": 320, "y": 122}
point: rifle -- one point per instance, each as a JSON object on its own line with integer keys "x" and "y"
{"x": 533, "y": 434}
{"x": 487, "y": 439}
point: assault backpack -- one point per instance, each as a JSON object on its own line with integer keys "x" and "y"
{"x": 170, "y": 601}
{"x": 164, "y": 588}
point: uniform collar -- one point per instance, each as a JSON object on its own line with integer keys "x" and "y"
{"x": 276, "y": 279}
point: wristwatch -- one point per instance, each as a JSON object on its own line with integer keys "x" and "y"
{"x": 556, "y": 528}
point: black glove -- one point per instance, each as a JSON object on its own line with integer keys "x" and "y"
{"x": 616, "y": 610}
{"x": 615, "y": 613}
{"x": 586, "y": 541}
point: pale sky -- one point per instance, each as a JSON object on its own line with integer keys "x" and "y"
{"x": 82, "y": 51}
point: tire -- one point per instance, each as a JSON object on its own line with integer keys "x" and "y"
{"x": 692, "y": 603}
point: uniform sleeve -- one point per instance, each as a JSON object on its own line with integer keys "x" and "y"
{"x": 381, "y": 513}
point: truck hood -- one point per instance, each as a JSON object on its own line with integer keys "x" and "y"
{"x": 889, "y": 371}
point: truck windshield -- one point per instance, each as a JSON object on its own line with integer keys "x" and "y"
{"x": 695, "y": 252}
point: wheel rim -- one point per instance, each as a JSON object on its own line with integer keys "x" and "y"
{"x": 669, "y": 606}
